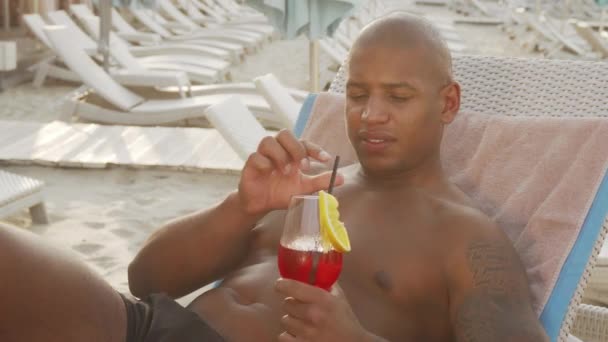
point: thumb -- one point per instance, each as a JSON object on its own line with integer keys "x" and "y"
{"x": 320, "y": 182}
{"x": 337, "y": 291}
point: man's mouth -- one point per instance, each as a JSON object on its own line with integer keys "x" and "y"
{"x": 374, "y": 141}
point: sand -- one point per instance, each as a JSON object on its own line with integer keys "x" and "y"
{"x": 106, "y": 215}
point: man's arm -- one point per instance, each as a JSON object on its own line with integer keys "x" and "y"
{"x": 197, "y": 249}
{"x": 193, "y": 250}
{"x": 489, "y": 293}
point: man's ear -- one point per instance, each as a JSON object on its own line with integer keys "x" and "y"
{"x": 451, "y": 102}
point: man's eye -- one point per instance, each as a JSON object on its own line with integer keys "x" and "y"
{"x": 357, "y": 96}
{"x": 399, "y": 98}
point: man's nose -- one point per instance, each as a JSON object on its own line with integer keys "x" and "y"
{"x": 375, "y": 111}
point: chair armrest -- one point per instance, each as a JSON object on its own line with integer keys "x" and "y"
{"x": 153, "y": 78}
{"x": 171, "y": 25}
{"x": 141, "y": 37}
{"x": 591, "y": 323}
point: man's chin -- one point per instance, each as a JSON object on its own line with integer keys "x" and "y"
{"x": 378, "y": 166}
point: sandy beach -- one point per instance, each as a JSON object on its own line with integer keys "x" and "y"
{"x": 105, "y": 215}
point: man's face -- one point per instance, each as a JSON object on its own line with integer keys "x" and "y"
{"x": 393, "y": 108}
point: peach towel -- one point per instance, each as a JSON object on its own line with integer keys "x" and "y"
{"x": 535, "y": 176}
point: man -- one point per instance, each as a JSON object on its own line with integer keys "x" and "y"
{"x": 425, "y": 264}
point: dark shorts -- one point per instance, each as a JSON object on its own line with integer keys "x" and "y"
{"x": 159, "y": 318}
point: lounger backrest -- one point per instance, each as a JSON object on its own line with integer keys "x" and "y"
{"x": 587, "y": 33}
{"x": 81, "y": 10}
{"x": 237, "y": 125}
{"x": 526, "y": 87}
{"x": 119, "y": 50}
{"x": 120, "y": 24}
{"x": 90, "y": 73}
{"x": 150, "y": 23}
{"x": 279, "y": 99}
{"x": 175, "y": 13}
{"x": 76, "y": 35}
{"x": 36, "y": 25}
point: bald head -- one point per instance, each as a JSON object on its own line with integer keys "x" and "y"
{"x": 401, "y": 30}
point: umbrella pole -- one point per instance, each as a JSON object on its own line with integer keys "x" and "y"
{"x": 7, "y": 16}
{"x": 105, "y": 22}
{"x": 602, "y": 18}
{"x": 313, "y": 65}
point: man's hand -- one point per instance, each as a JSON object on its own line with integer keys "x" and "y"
{"x": 273, "y": 174}
{"x": 314, "y": 314}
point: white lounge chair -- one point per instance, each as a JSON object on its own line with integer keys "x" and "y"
{"x": 551, "y": 34}
{"x": 234, "y": 7}
{"x": 20, "y": 192}
{"x": 248, "y": 38}
{"x": 237, "y": 125}
{"x": 483, "y": 13}
{"x": 241, "y": 88}
{"x": 203, "y": 72}
{"x": 173, "y": 61}
{"x": 152, "y": 44}
{"x": 136, "y": 76}
{"x": 214, "y": 16}
{"x": 128, "y": 107}
{"x": 157, "y": 24}
{"x": 279, "y": 99}
{"x": 597, "y": 43}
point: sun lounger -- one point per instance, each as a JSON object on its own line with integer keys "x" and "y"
{"x": 597, "y": 43}
{"x": 279, "y": 99}
{"x": 128, "y": 107}
{"x": 237, "y": 125}
{"x": 157, "y": 24}
{"x": 537, "y": 87}
{"x": 202, "y": 72}
{"x": 20, "y": 192}
{"x": 251, "y": 40}
{"x": 202, "y": 69}
{"x": 134, "y": 76}
{"x": 241, "y": 88}
{"x": 215, "y": 18}
{"x": 150, "y": 44}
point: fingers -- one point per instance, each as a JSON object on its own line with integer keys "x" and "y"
{"x": 286, "y": 337}
{"x": 296, "y": 309}
{"x": 259, "y": 162}
{"x": 287, "y": 153}
{"x": 272, "y": 150}
{"x": 316, "y": 152}
{"x": 337, "y": 291}
{"x": 295, "y": 327}
{"x": 300, "y": 291}
{"x": 295, "y": 149}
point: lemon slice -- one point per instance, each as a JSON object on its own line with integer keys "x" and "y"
{"x": 332, "y": 230}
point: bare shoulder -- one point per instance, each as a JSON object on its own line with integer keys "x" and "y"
{"x": 487, "y": 284}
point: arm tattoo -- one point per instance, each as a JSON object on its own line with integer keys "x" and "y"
{"x": 495, "y": 307}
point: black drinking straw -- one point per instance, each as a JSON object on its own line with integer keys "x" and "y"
{"x": 333, "y": 175}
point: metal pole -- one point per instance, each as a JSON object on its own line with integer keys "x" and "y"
{"x": 602, "y": 18}
{"x": 105, "y": 23}
{"x": 313, "y": 65}
{"x": 7, "y": 16}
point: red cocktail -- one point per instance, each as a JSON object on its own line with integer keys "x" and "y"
{"x": 303, "y": 254}
{"x": 303, "y": 263}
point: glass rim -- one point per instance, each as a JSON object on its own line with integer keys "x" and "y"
{"x": 305, "y": 196}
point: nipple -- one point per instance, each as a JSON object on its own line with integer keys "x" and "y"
{"x": 383, "y": 280}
